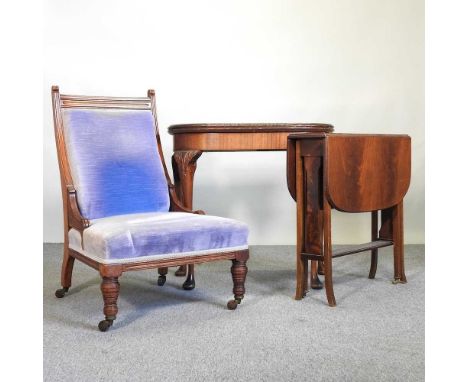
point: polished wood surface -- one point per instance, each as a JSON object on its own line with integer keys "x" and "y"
{"x": 72, "y": 217}
{"x": 249, "y": 128}
{"x": 239, "y": 137}
{"x": 191, "y": 140}
{"x": 355, "y": 173}
{"x": 378, "y": 167}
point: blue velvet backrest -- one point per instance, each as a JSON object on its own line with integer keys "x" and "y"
{"x": 114, "y": 161}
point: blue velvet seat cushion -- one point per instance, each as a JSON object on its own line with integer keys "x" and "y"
{"x": 158, "y": 235}
{"x": 114, "y": 161}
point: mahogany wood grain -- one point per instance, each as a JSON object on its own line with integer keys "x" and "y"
{"x": 310, "y": 149}
{"x": 239, "y": 272}
{"x": 239, "y": 137}
{"x": 355, "y": 173}
{"x": 244, "y": 141}
{"x": 313, "y": 209}
{"x": 366, "y": 173}
{"x": 110, "y": 288}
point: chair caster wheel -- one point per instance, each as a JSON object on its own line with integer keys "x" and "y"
{"x": 161, "y": 280}
{"x": 188, "y": 285}
{"x": 104, "y": 325}
{"x": 59, "y": 293}
{"x": 232, "y": 304}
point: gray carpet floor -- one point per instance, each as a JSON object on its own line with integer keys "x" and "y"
{"x": 376, "y": 332}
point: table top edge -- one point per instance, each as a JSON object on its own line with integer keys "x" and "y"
{"x": 249, "y": 127}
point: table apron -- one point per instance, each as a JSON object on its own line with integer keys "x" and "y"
{"x": 273, "y": 141}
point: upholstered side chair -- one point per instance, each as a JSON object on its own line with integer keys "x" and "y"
{"x": 120, "y": 209}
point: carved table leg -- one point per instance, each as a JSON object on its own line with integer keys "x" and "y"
{"x": 67, "y": 270}
{"x": 110, "y": 292}
{"x": 184, "y": 164}
{"x": 239, "y": 273}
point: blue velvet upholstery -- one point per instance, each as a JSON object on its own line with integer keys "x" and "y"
{"x": 158, "y": 235}
{"x": 114, "y": 162}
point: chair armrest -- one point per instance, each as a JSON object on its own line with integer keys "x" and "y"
{"x": 176, "y": 205}
{"x": 75, "y": 219}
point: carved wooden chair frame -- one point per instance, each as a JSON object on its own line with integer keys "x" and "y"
{"x": 72, "y": 217}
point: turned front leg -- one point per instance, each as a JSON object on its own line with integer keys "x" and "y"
{"x": 239, "y": 272}
{"x": 110, "y": 288}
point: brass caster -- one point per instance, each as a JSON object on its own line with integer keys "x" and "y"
{"x": 161, "y": 280}
{"x": 189, "y": 285}
{"x": 398, "y": 281}
{"x": 232, "y": 304}
{"x": 104, "y": 325}
{"x": 59, "y": 293}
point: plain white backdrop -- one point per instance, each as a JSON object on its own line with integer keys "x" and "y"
{"x": 357, "y": 64}
{"x": 21, "y": 291}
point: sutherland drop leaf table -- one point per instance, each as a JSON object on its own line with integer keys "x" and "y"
{"x": 350, "y": 173}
